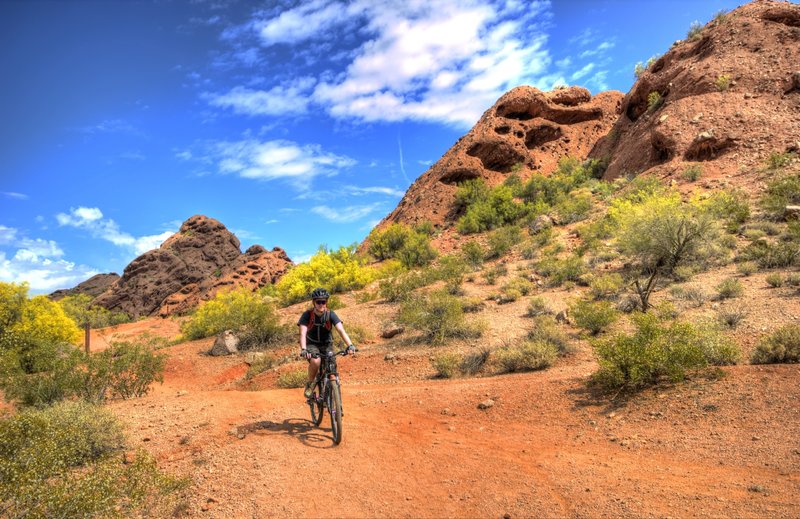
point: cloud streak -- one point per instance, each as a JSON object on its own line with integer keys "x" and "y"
{"x": 91, "y": 219}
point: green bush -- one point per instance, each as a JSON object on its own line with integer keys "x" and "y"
{"x": 747, "y": 268}
{"x": 260, "y": 365}
{"x": 692, "y": 173}
{"x": 545, "y": 330}
{"x": 252, "y": 316}
{"x": 558, "y": 271}
{"x": 470, "y": 192}
{"x": 438, "y": 316}
{"x": 474, "y": 253}
{"x": 472, "y": 363}
{"x": 493, "y": 273}
{"x": 501, "y": 240}
{"x": 416, "y": 251}
{"x": 654, "y": 101}
{"x": 774, "y": 280}
{"x": 723, "y": 82}
{"x": 658, "y": 350}
{"x": 124, "y": 370}
{"x": 446, "y": 364}
{"x": 606, "y": 286}
{"x": 497, "y": 209}
{"x": 731, "y": 316}
{"x": 793, "y": 279}
{"x": 575, "y": 207}
{"x": 293, "y": 379}
{"x": 695, "y": 28}
{"x": 777, "y": 160}
{"x": 63, "y": 461}
{"x": 779, "y": 193}
{"x": 779, "y": 347}
{"x": 771, "y": 255}
{"x": 537, "y": 306}
{"x": 79, "y": 308}
{"x": 729, "y": 288}
{"x": 527, "y": 356}
{"x": 594, "y": 316}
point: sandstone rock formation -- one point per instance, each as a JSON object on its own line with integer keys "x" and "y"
{"x": 527, "y": 131}
{"x": 189, "y": 267}
{"x": 94, "y": 286}
{"x": 725, "y": 99}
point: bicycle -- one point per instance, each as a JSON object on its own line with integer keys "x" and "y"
{"x": 327, "y": 393}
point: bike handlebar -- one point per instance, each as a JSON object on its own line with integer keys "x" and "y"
{"x": 340, "y": 352}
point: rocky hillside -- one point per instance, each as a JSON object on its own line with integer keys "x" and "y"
{"x": 94, "y": 286}
{"x": 726, "y": 97}
{"x": 189, "y": 267}
{"x": 526, "y": 131}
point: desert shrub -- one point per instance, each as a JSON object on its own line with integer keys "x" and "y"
{"x": 474, "y": 362}
{"x": 526, "y": 356}
{"x": 293, "y": 379}
{"x": 63, "y": 461}
{"x": 79, "y": 308}
{"x": 501, "y": 240}
{"x": 753, "y": 234}
{"x": 594, "y": 316}
{"x": 694, "y": 295}
{"x": 446, "y": 364}
{"x": 42, "y": 374}
{"x": 658, "y": 350}
{"x": 793, "y": 279}
{"x": 259, "y": 366}
{"x": 537, "y": 306}
{"x": 606, "y": 286}
{"x": 400, "y": 287}
{"x": 769, "y": 228}
{"x": 731, "y": 316}
{"x": 692, "y": 173}
{"x": 747, "y": 268}
{"x": 252, "y": 316}
{"x": 518, "y": 285}
{"x": 416, "y": 251}
{"x": 357, "y": 333}
{"x": 729, "y": 288}
{"x": 491, "y": 274}
{"x": 472, "y": 305}
{"x": 720, "y": 16}
{"x": 654, "y": 101}
{"x": 779, "y": 193}
{"x": 470, "y": 192}
{"x": 425, "y": 227}
{"x": 781, "y": 346}
{"x": 35, "y": 320}
{"x": 695, "y": 28}
{"x": 338, "y": 271}
{"x": 545, "y": 329}
{"x": 474, "y": 253}
{"x": 439, "y": 316}
{"x": 575, "y": 207}
{"x": 497, "y": 209}
{"x": 639, "y": 69}
{"x": 558, "y": 271}
{"x": 723, "y": 82}
{"x": 771, "y": 255}
{"x": 774, "y": 280}
{"x": 777, "y": 160}
{"x": 124, "y": 370}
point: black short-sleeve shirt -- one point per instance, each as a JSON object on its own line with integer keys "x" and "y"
{"x": 317, "y": 333}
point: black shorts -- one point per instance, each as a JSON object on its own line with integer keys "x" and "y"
{"x": 319, "y": 349}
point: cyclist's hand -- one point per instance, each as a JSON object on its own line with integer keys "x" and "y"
{"x": 304, "y": 354}
{"x": 351, "y": 350}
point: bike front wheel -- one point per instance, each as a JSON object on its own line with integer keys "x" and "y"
{"x": 315, "y": 403}
{"x": 335, "y": 410}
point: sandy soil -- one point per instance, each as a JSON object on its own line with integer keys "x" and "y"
{"x": 415, "y": 446}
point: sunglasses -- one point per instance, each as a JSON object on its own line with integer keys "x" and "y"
{"x": 320, "y": 302}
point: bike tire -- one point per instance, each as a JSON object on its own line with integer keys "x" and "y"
{"x": 335, "y": 410}
{"x": 317, "y": 409}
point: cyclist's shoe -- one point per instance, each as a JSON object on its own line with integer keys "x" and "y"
{"x": 309, "y": 392}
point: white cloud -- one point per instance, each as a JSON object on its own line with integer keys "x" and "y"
{"x": 284, "y": 99}
{"x": 91, "y": 219}
{"x": 582, "y": 72}
{"x": 272, "y": 160}
{"x": 112, "y": 126}
{"x": 273, "y": 220}
{"x": 7, "y": 235}
{"x": 429, "y": 60}
{"x": 345, "y": 214}
{"x": 42, "y": 274}
{"x": 17, "y": 196}
{"x": 390, "y": 191}
{"x": 606, "y": 45}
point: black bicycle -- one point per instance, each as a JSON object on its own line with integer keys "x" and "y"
{"x": 328, "y": 393}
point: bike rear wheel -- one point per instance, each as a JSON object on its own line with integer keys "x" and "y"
{"x": 315, "y": 403}
{"x": 335, "y": 410}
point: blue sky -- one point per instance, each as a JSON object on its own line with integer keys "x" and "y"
{"x": 295, "y": 124}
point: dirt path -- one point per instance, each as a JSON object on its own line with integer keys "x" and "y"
{"x": 422, "y": 448}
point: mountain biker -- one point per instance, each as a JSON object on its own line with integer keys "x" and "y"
{"x": 315, "y": 334}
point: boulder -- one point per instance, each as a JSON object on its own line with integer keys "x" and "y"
{"x": 391, "y": 329}
{"x": 254, "y": 357}
{"x": 226, "y": 343}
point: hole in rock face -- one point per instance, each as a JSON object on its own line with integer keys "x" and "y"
{"x": 459, "y": 175}
{"x": 663, "y": 148}
{"x": 573, "y": 116}
{"x": 520, "y": 109}
{"x": 703, "y": 48}
{"x": 519, "y": 116}
{"x": 539, "y": 135}
{"x": 658, "y": 65}
{"x": 790, "y": 17}
{"x": 502, "y": 130}
{"x": 707, "y": 149}
{"x": 496, "y": 156}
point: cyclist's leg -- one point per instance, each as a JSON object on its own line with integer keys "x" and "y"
{"x": 313, "y": 363}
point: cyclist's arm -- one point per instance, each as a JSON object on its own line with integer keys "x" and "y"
{"x": 303, "y": 333}
{"x": 343, "y": 334}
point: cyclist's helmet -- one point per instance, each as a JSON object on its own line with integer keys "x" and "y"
{"x": 320, "y": 293}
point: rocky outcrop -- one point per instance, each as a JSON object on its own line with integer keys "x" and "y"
{"x": 189, "y": 267}
{"x": 526, "y": 131}
{"x": 725, "y": 99}
{"x": 94, "y": 286}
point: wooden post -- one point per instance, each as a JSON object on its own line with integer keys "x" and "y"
{"x": 86, "y": 336}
